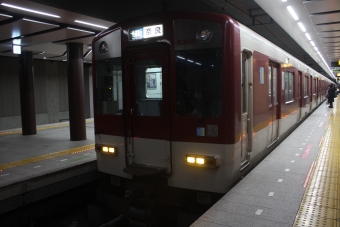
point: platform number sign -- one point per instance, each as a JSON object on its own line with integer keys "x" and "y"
{"x": 145, "y": 32}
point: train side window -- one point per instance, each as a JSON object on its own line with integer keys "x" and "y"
{"x": 274, "y": 86}
{"x": 199, "y": 83}
{"x": 305, "y": 86}
{"x": 289, "y": 85}
{"x": 109, "y": 86}
{"x": 298, "y": 90}
{"x": 148, "y": 85}
{"x": 246, "y": 64}
{"x": 270, "y": 101}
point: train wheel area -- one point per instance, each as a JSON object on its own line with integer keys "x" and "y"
{"x": 295, "y": 185}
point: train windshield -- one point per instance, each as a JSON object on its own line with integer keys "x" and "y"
{"x": 109, "y": 86}
{"x": 199, "y": 82}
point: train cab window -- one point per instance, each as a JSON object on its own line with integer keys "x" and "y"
{"x": 148, "y": 87}
{"x": 288, "y": 78}
{"x": 199, "y": 82}
{"x": 109, "y": 86}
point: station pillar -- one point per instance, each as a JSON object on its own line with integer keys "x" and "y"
{"x": 75, "y": 74}
{"x": 27, "y": 102}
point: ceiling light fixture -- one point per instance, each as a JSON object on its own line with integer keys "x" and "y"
{"x": 88, "y": 52}
{"x": 29, "y": 10}
{"x": 39, "y": 22}
{"x": 16, "y": 41}
{"x": 292, "y": 12}
{"x": 316, "y": 48}
{"x": 95, "y": 25}
{"x": 80, "y": 30}
{"x": 4, "y": 15}
{"x": 313, "y": 44}
{"x": 308, "y": 36}
{"x": 284, "y": 0}
{"x": 302, "y": 27}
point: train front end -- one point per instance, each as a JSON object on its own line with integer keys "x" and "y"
{"x": 166, "y": 102}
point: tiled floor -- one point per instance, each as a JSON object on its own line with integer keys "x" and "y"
{"x": 271, "y": 194}
{"x": 320, "y": 205}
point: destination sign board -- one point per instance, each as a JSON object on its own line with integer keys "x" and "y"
{"x": 145, "y": 32}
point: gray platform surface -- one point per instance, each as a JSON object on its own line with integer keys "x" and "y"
{"x": 30, "y": 175}
{"x": 270, "y": 195}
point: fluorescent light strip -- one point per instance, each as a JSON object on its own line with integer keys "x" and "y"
{"x": 308, "y": 36}
{"x": 95, "y": 25}
{"x": 4, "y": 15}
{"x": 292, "y": 12}
{"x": 39, "y": 22}
{"x": 79, "y": 30}
{"x": 284, "y": 0}
{"x": 302, "y": 27}
{"x": 88, "y": 53}
{"x": 313, "y": 44}
{"x": 17, "y": 41}
{"x": 29, "y": 10}
{"x": 316, "y": 48}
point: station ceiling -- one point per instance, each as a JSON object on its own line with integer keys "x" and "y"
{"x": 46, "y": 35}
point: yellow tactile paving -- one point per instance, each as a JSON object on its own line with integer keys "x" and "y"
{"x": 321, "y": 203}
{"x": 46, "y": 156}
{"x": 19, "y": 131}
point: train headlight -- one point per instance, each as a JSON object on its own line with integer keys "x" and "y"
{"x": 191, "y": 159}
{"x": 200, "y": 161}
{"x": 106, "y": 149}
{"x": 203, "y": 160}
{"x": 204, "y": 34}
{"x": 112, "y": 150}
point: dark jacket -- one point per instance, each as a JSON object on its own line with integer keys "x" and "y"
{"x": 331, "y": 94}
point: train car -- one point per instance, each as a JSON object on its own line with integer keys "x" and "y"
{"x": 195, "y": 99}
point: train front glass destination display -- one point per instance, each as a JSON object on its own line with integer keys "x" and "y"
{"x": 145, "y": 32}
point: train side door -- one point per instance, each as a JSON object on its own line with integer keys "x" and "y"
{"x": 147, "y": 121}
{"x": 246, "y": 86}
{"x": 299, "y": 92}
{"x": 273, "y": 126}
{"x": 310, "y": 93}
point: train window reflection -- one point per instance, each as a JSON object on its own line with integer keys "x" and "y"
{"x": 109, "y": 86}
{"x": 199, "y": 83}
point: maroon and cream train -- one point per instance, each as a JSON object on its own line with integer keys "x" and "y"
{"x": 195, "y": 98}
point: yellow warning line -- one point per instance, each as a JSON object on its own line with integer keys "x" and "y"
{"x": 46, "y": 156}
{"x": 19, "y": 131}
{"x": 321, "y": 202}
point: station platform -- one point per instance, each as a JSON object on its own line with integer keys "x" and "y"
{"x": 297, "y": 184}
{"x": 34, "y": 167}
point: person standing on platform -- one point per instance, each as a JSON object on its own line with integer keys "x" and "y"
{"x": 331, "y": 95}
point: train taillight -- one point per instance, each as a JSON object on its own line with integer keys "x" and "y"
{"x": 203, "y": 160}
